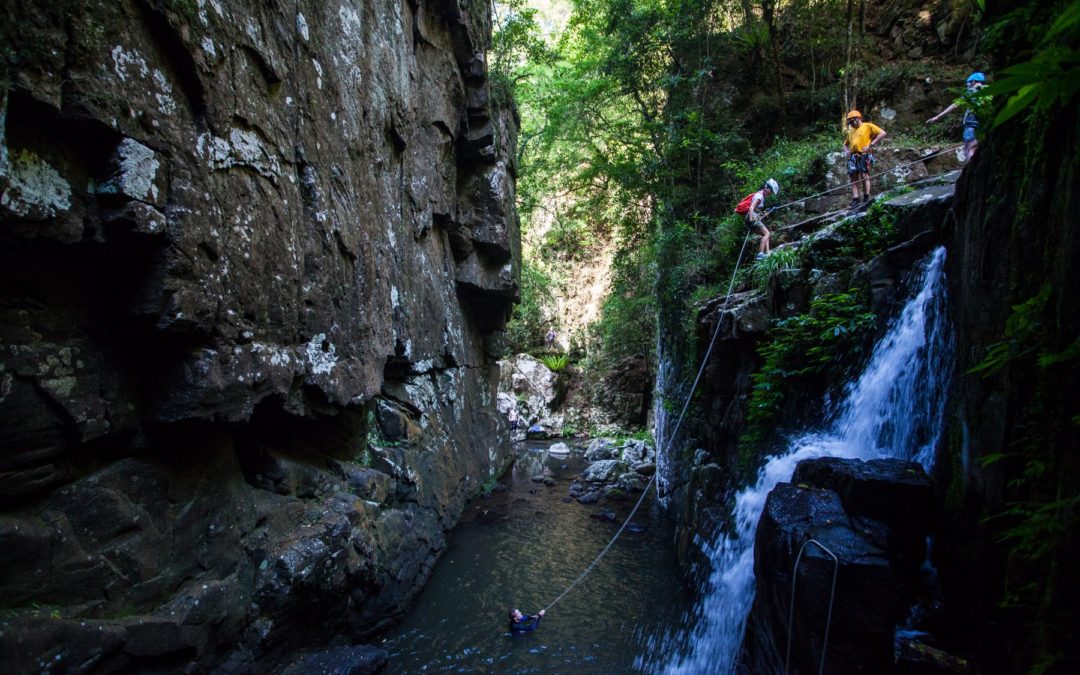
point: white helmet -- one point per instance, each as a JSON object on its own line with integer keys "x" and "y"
{"x": 772, "y": 185}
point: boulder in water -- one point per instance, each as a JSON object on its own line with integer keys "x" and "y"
{"x": 645, "y": 469}
{"x": 559, "y": 449}
{"x": 538, "y": 432}
{"x": 875, "y": 583}
{"x": 600, "y": 448}
{"x": 636, "y": 452}
{"x": 603, "y": 471}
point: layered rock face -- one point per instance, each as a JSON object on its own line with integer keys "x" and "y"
{"x": 255, "y": 258}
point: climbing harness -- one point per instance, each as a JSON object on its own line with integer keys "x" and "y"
{"x": 690, "y": 395}
{"x": 791, "y": 610}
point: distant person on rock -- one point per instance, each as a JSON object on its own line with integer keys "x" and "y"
{"x": 513, "y": 417}
{"x": 859, "y": 138}
{"x": 752, "y": 207}
{"x": 975, "y": 82}
{"x": 549, "y": 339}
{"x": 523, "y": 623}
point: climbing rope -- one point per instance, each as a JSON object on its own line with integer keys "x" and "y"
{"x": 876, "y": 175}
{"x": 791, "y": 605}
{"x": 705, "y": 362}
{"x": 675, "y": 430}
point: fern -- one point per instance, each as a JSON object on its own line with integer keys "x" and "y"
{"x": 555, "y": 362}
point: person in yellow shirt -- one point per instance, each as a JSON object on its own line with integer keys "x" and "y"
{"x": 860, "y": 137}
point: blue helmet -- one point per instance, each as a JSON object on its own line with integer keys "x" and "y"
{"x": 976, "y": 77}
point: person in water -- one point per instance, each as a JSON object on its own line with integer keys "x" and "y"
{"x": 523, "y": 623}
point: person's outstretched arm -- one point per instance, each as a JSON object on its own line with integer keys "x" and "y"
{"x": 943, "y": 113}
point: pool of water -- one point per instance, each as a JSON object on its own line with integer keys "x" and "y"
{"x": 520, "y": 548}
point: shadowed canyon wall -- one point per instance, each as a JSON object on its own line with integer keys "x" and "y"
{"x": 256, "y": 259}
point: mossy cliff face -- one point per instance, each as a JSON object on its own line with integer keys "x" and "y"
{"x": 1013, "y": 458}
{"x": 254, "y": 259}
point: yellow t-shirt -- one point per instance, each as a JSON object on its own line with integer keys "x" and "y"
{"x": 858, "y": 140}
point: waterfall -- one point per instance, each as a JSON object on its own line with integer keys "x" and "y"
{"x": 894, "y": 409}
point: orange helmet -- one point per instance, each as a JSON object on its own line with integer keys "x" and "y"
{"x": 853, "y": 114}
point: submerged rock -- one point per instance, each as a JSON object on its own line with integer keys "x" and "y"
{"x": 358, "y": 660}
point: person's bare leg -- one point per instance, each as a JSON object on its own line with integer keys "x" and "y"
{"x": 969, "y": 150}
{"x": 866, "y": 186}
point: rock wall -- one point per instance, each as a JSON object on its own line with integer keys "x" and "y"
{"x": 1012, "y": 460}
{"x": 255, "y": 262}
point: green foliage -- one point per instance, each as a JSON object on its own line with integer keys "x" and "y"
{"x": 828, "y": 340}
{"x": 527, "y": 327}
{"x": 1021, "y": 325}
{"x": 868, "y": 235}
{"x": 797, "y": 165}
{"x": 555, "y": 362}
{"x": 1051, "y": 77}
{"x": 787, "y": 258}
{"x": 1042, "y": 514}
{"x": 627, "y": 323}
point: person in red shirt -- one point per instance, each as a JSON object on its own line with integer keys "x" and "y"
{"x": 752, "y": 207}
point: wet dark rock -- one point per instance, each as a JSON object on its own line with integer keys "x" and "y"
{"x": 615, "y": 494}
{"x": 589, "y": 498}
{"x": 914, "y": 657}
{"x": 606, "y": 515}
{"x": 890, "y": 500}
{"x": 358, "y": 660}
{"x": 645, "y": 469}
{"x": 875, "y": 583}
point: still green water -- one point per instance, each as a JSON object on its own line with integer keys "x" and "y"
{"x": 521, "y": 548}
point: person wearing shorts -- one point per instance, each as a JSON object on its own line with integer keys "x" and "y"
{"x": 975, "y": 82}
{"x": 860, "y": 137}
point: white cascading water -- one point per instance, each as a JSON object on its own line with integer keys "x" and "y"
{"x": 894, "y": 409}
